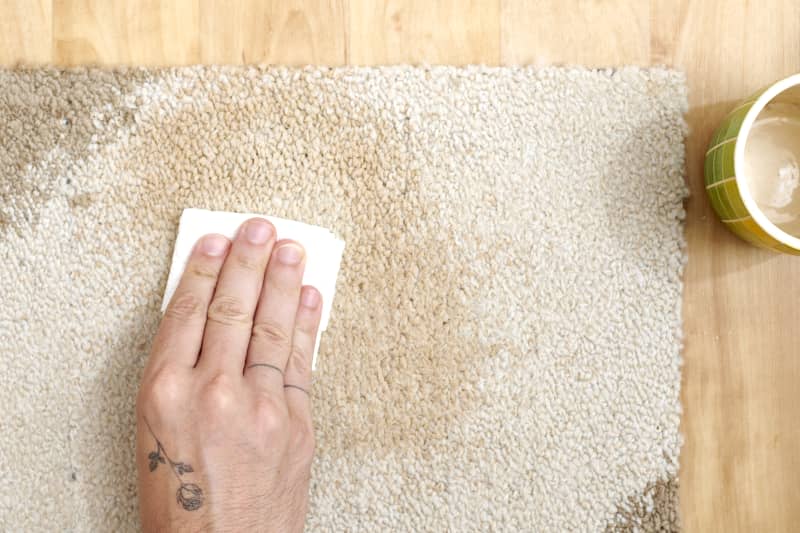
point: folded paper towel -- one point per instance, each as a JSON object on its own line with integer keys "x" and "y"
{"x": 323, "y": 252}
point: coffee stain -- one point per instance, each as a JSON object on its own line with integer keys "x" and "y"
{"x": 401, "y": 353}
{"x": 50, "y": 117}
{"x": 653, "y": 509}
{"x": 399, "y": 364}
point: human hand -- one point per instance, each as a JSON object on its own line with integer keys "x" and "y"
{"x": 224, "y": 434}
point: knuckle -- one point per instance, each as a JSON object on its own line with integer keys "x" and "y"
{"x": 162, "y": 391}
{"x": 228, "y": 310}
{"x": 271, "y": 415}
{"x": 309, "y": 329}
{"x": 202, "y": 272}
{"x": 299, "y": 362}
{"x": 304, "y": 441}
{"x": 184, "y": 307}
{"x": 220, "y": 394}
{"x": 271, "y": 333}
{"x": 284, "y": 289}
{"x": 247, "y": 263}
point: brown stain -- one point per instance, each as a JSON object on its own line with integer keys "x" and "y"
{"x": 82, "y": 200}
{"x": 399, "y": 362}
{"x": 44, "y": 110}
{"x": 399, "y": 371}
{"x": 634, "y": 515}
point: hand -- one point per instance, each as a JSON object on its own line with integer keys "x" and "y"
{"x": 224, "y": 435}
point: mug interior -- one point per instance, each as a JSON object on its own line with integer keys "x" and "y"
{"x": 768, "y": 167}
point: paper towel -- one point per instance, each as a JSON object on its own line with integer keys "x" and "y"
{"x": 323, "y": 252}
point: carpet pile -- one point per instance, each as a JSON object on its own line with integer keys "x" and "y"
{"x": 504, "y": 348}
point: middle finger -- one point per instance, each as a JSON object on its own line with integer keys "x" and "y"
{"x": 230, "y": 314}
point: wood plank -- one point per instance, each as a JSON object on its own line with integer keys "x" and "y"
{"x": 107, "y": 32}
{"x": 419, "y": 31}
{"x": 25, "y": 31}
{"x": 592, "y": 33}
{"x": 740, "y": 466}
{"x": 280, "y": 32}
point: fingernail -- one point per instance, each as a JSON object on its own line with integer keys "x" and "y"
{"x": 290, "y": 254}
{"x": 258, "y": 231}
{"x": 214, "y": 245}
{"x": 310, "y": 298}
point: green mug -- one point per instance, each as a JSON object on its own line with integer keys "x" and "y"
{"x": 752, "y": 173}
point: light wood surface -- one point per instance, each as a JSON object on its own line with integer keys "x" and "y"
{"x": 741, "y": 381}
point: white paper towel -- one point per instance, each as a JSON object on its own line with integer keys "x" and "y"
{"x": 323, "y": 252}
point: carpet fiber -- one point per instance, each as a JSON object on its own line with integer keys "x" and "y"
{"x": 504, "y": 348}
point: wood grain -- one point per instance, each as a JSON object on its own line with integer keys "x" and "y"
{"x": 121, "y": 32}
{"x": 275, "y": 31}
{"x": 740, "y": 464}
{"x": 592, "y": 33}
{"x": 26, "y": 31}
{"x": 420, "y": 31}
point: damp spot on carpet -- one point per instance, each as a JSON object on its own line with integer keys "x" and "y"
{"x": 379, "y": 349}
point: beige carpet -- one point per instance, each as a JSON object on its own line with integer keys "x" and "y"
{"x": 504, "y": 348}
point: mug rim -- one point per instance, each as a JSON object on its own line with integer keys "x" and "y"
{"x": 738, "y": 162}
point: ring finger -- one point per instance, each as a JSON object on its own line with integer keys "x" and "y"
{"x": 273, "y": 327}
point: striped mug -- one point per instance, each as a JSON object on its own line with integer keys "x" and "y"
{"x": 752, "y": 173}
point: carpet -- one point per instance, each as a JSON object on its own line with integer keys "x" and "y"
{"x": 504, "y": 348}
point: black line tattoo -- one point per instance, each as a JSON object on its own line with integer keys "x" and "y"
{"x": 266, "y": 365}
{"x": 298, "y": 387}
{"x": 189, "y": 495}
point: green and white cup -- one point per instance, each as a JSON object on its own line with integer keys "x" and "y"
{"x": 752, "y": 168}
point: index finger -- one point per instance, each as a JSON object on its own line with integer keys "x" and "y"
{"x": 181, "y": 331}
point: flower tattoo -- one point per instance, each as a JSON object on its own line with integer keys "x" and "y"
{"x": 189, "y": 495}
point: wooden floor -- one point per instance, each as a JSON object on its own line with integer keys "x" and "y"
{"x": 741, "y": 385}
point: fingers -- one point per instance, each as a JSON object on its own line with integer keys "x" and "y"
{"x": 298, "y": 368}
{"x": 230, "y": 313}
{"x": 181, "y": 332}
{"x": 273, "y": 328}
